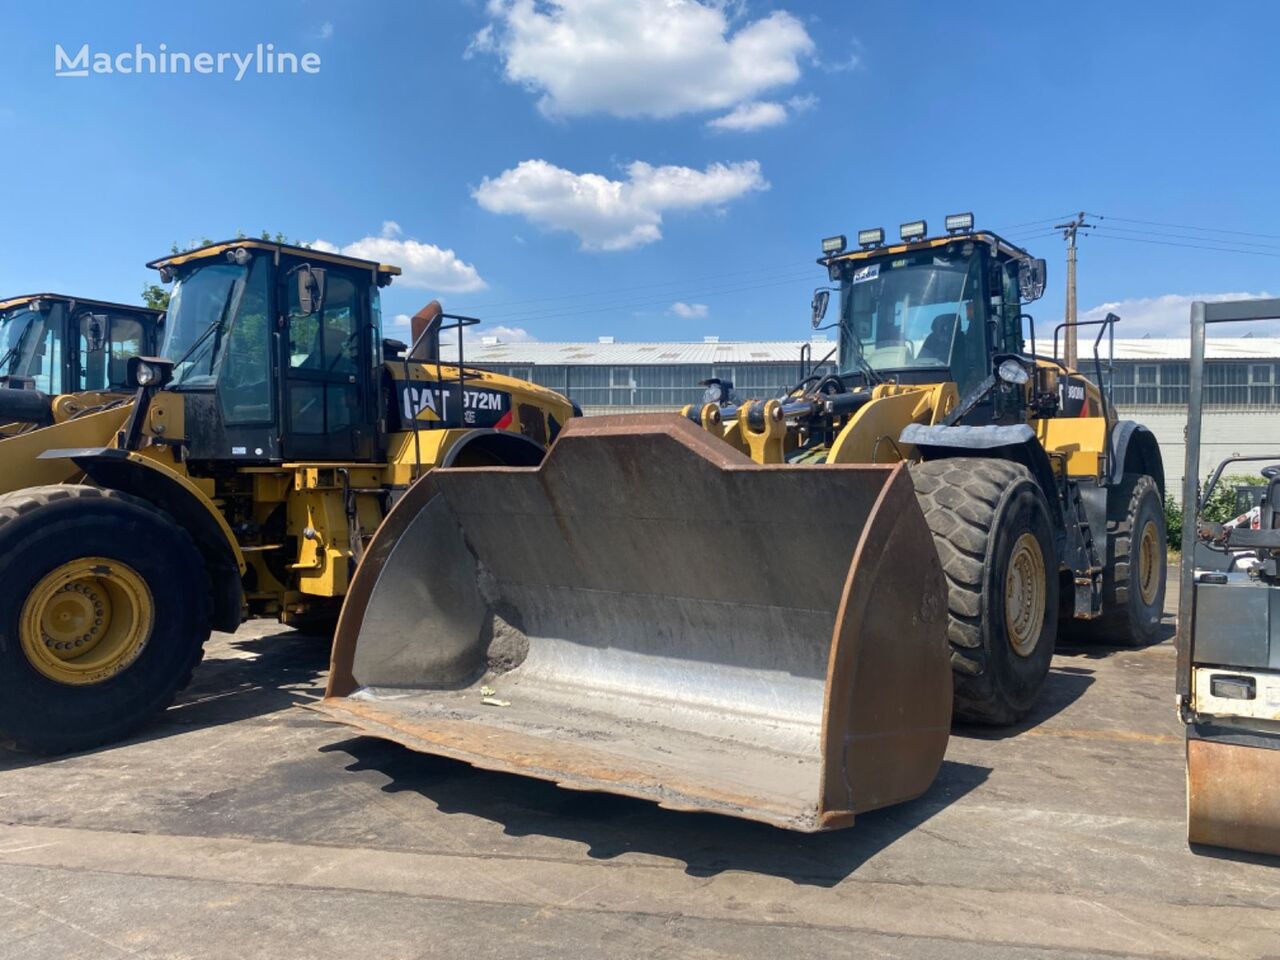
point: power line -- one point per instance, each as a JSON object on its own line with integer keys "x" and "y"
{"x": 771, "y": 269}
{"x": 1192, "y": 246}
{"x": 1183, "y": 226}
{"x": 1031, "y": 234}
{"x": 1181, "y": 236}
{"x": 1028, "y": 223}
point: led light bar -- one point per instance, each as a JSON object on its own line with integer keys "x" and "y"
{"x": 871, "y": 238}
{"x": 915, "y": 230}
{"x": 834, "y": 245}
{"x": 959, "y": 222}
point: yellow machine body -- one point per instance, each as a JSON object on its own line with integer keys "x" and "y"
{"x": 261, "y": 451}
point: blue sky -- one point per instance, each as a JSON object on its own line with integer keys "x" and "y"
{"x": 651, "y": 170}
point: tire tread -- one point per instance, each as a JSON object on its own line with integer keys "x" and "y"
{"x": 21, "y": 503}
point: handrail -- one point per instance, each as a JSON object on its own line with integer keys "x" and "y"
{"x": 437, "y": 326}
{"x": 1107, "y": 326}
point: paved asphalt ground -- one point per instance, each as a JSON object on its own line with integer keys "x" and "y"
{"x": 241, "y": 826}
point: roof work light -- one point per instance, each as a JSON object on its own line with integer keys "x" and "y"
{"x": 915, "y": 230}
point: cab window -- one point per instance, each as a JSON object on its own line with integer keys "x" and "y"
{"x": 45, "y": 364}
{"x": 327, "y": 342}
{"x": 324, "y": 360}
{"x": 1011, "y": 294}
{"x": 244, "y": 381}
{"x": 106, "y": 343}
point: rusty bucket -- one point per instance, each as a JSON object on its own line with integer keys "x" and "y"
{"x": 651, "y": 613}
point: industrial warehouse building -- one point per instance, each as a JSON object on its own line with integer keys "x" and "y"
{"x": 1149, "y": 377}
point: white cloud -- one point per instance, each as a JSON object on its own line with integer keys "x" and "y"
{"x": 613, "y": 214}
{"x": 758, "y": 114}
{"x": 803, "y": 104}
{"x": 1169, "y": 315}
{"x": 641, "y": 58}
{"x": 851, "y": 62}
{"x": 751, "y": 116}
{"x": 424, "y": 265}
{"x": 690, "y": 311}
{"x": 326, "y": 30}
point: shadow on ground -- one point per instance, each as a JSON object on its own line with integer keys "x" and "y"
{"x": 1234, "y": 856}
{"x": 1063, "y": 687}
{"x": 610, "y": 826}
{"x": 1080, "y": 645}
{"x": 264, "y": 674}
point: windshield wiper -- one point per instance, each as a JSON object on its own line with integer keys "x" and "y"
{"x": 209, "y": 330}
{"x": 12, "y": 351}
{"x": 864, "y": 364}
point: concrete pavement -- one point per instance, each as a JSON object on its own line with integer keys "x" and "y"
{"x": 240, "y": 826}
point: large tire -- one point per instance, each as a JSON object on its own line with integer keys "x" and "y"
{"x": 1133, "y": 580}
{"x": 66, "y": 554}
{"x": 991, "y": 526}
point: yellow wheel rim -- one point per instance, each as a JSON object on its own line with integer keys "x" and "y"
{"x": 1149, "y": 563}
{"x": 1024, "y": 595}
{"x": 86, "y": 621}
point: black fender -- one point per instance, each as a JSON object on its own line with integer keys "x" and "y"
{"x": 1016, "y": 443}
{"x": 503, "y": 447}
{"x": 1135, "y": 450}
{"x": 174, "y": 494}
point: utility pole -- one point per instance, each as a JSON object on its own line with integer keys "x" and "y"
{"x": 1069, "y": 230}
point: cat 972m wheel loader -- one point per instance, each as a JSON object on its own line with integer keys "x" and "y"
{"x": 244, "y": 478}
{"x": 757, "y": 607}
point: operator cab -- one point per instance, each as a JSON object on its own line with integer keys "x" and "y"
{"x": 928, "y": 309}
{"x": 276, "y": 350}
{"x": 57, "y": 344}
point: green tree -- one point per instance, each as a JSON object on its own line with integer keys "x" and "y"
{"x": 1222, "y": 505}
{"x": 155, "y": 296}
{"x": 1220, "y": 508}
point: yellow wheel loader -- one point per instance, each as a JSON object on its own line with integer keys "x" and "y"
{"x": 762, "y": 608}
{"x": 63, "y": 357}
{"x": 245, "y": 478}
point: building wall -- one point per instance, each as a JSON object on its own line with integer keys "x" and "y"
{"x": 1242, "y": 397}
{"x": 641, "y": 388}
{"x": 1224, "y": 433}
{"x": 1228, "y": 383}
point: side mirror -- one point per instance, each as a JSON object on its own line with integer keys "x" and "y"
{"x": 1031, "y": 277}
{"x": 821, "y": 298}
{"x": 310, "y": 289}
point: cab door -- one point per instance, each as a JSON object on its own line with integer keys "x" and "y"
{"x": 326, "y": 366}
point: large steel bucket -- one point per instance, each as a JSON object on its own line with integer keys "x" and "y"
{"x": 651, "y": 613}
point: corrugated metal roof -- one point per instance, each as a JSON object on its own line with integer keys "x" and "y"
{"x": 636, "y": 354}
{"x": 537, "y": 353}
{"x": 1216, "y": 348}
